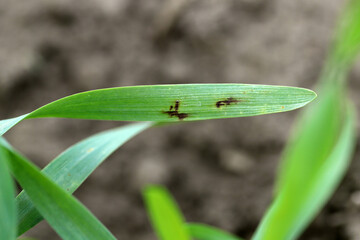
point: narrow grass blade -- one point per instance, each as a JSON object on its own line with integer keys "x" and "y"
{"x": 69, "y": 218}
{"x": 205, "y": 232}
{"x": 70, "y": 169}
{"x": 5, "y": 125}
{"x": 169, "y": 103}
{"x": 347, "y": 37}
{"x": 322, "y": 122}
{"x": 315, "y": 137}
{"x": 303, "y": 196}
{"x": 7, "y": 203}
{"x": 165, "y": 216}
{"x": 317, "y": 157}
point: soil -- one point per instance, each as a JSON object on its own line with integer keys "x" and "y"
{"x": 221, "y": 172}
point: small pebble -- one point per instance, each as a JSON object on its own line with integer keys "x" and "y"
{"x": 236, "y": 161}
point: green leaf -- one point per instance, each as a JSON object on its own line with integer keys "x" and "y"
{"x": 205, "y": 232}
{"x": 316, "y": 134}
{"x": 308, "y": 189}
{"x": 165, "y": 216}
{"x": 69, "y": 218}
{"x": 70, "y": 169}
{"x": 318, "y": 155}
{"x": 302, "y": 185}
{"x": 5, "y": 125}
{"x": 347, "y": 37}
{"x": 7, "y": 203}
{"x": 169, "y": 103}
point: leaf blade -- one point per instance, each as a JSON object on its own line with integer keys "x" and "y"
{"x": 297, "y": 203}
{"x": 323, "y": 130}
{"x": 206, "y": 232}
{"x": 171, "y": 103}
{"x": 69, "y": 218}
{"x": 159, "y": 102}
{"x": 7, "y": 124}
{"x": 7, "y": 203}
{"x": 70, "y": 169}
{"x": 164, "y": 214}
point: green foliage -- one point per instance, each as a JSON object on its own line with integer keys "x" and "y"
{"x": 169, "y": 103}
{"x": 5, "y": 125}
{"x": 314, "y": 161}
{"x": 347, "y": 37}
{"x": 319, "y": 152}
{"x": 69, "y": 218}
{"x": 205, "y": 232}
{"x": 47, "y": 194}
{"x": 70, "y": 169}
{"x": 165, "y": 216}
{"x": 169, "y": 223}
{"x": 303, "y": 193}
{"x": 7, "y": 203}
{"x": 317, "y": 157}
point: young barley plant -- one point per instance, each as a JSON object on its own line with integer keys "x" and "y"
{"x": 313, "y": 162}
{"x": 47, "y": 193}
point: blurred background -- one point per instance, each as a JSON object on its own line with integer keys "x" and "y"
{"x": 221, "y": 172}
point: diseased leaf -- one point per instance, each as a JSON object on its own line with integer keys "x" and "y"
{"x": 171, "y": 103}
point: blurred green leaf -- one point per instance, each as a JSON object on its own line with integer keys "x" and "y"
{"x": 69, "y": 218}
{"x": 205, "y": 232}
{"x": 165, "y": 216}
{"x": 316, "y": 135}
{"x": 7, "y": 203}
{"x": 308, "y": 189}
{"x": 70, "y": 169}
{"x": 318, "y": 155}
{"x": 347, "y": 37}
{"x": 169, "y": 103}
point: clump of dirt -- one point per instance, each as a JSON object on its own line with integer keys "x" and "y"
{"x": 222, "y": 171}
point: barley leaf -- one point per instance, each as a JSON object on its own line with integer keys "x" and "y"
{"x": 317, "y": 157}
{"x": 5, "y": 125}
{"x": 171, "y": 103}
{"x": 301, "y": 198}
{"x": 165, "y": 216}
{"x": 205, "y": 232}
{"x": 69, "y": 218}
{"x": 347, "y": 37}
{"x": 7, "y": 203}
{"x": 70, "y": 169}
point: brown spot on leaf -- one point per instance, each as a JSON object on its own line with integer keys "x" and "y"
{"x": 175, "y": 112}
{"x": 226, "y": 102}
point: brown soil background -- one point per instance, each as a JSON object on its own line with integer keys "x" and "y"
{"x": 221, "y": 172}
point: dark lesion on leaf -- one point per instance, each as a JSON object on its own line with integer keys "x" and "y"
{"x": 174, "y": 111}
{"x": 226, "y": 102}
